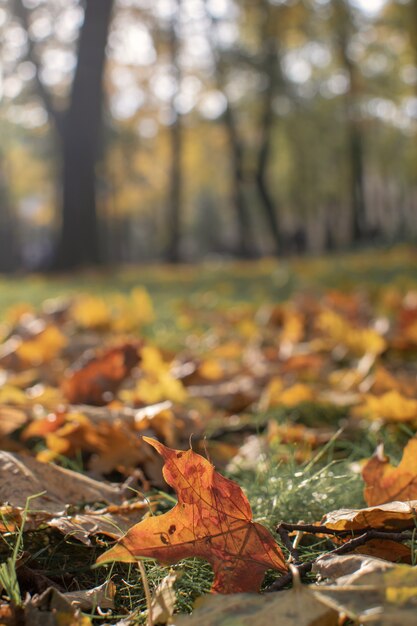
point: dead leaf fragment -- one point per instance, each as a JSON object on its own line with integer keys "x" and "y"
{"x": 164, "y": 599}
{"x": 89, "y": 599}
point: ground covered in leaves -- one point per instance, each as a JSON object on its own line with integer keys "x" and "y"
{"x": 239, "y": 428}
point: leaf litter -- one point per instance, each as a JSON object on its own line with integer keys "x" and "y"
{"x": 265, "y": 390}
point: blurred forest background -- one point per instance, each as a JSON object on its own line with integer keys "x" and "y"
{"x": 142, "y": 130}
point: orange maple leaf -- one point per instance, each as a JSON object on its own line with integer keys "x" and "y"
{"x": 212, "y": 520}
{"x": 385, "y": 482}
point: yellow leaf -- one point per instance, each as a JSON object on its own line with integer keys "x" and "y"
{"x": 43, "y": 347}
{"x": 390, "y": 407}
{"x": 90, "y": 312}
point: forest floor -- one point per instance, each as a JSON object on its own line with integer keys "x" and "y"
{"x": 286, "y": 375}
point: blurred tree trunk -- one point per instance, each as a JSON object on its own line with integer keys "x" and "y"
{"x": 343, "y": 25}
{"x": 9, "y": 261}
{"x": 176, "y": 141}
{"x": 78, "y": 129}
{"x": 79, "y": 241}
{"x": 270, "y": 67}
{"x": 245, "y": 248}
{"x": 413, "y": 28}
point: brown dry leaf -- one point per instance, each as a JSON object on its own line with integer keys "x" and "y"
{"x": 290, "y": 433}
{"x": 388, "y": 550}
{"x": 232, "y": 396}
{"x": 296, "y": 607}
{"x": 113, "y": 444}
{"x": 344, "y": 569}
{"x": 387, "y": 597}
{"x": 11, "y": 418}
{"x": 95, "y": 378}
{"x": 112, "y": 523}
{"x": 385, "y": 483}
{"x": 30, "y": 615}
{"x": 23, "y": 477}
{"x": 43, "y": 426}
{"x": 52, "y": 608}
{"x": 394, "y": 516}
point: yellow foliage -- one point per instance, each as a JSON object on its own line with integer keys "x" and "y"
{"x": 157, "y": 384}
{"x": 90, "y": 312}
{"x": 359, "y": 341}
{"x": 391, "y": 407}
{"x": 276, "y": 395}
{"x": 12, "y": 395}
{"x": 211, "y": 369}
{"x": 43, "y": 347}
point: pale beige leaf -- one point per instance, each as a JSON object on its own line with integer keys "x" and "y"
{"x": 22, "y": 477}
{"x": 296, "y": 607}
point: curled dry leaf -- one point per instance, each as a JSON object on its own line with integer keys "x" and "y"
{"x": 395, "y": 516}
{"x": 385, "y": 483}
{"x": 96, "y": 375}
{"x": 212, "y": 520}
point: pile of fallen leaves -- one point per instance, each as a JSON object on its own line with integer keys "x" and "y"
{"x": 100, "y": 427}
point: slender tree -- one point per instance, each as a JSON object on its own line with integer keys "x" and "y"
{"x": 270, "y": 66}
{"x": 245, "y": 240}
{"x": 344, "y": 28}
{"x": 176, "y": 143}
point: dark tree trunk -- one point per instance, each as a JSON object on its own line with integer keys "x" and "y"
{"x": 261, "y": 175}
{"x": 176, "y": 136}
{"x": 245, "y": 245}
{"x": 413, "y": 29}
{"x": 80, "y": 135}
{"x": 245, "y": 249}
{"x": 271, "y": 67}
{"x": 359, "y": 225}
{"x": 353, "y": 127}
{"x": 9, "y": 261}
